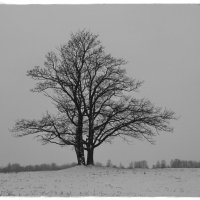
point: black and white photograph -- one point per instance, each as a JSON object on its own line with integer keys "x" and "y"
{"x": 100, "y": 100}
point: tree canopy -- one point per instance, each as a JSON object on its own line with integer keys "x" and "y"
{"x": 94, "y": 99}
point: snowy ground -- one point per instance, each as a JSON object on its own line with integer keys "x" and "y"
{"x": 102, "y": 181}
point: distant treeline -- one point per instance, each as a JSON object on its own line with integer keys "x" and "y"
{"x": 42, "y": 167}
{"x": 138, "y": 164}
{"x": 175, "y": 163}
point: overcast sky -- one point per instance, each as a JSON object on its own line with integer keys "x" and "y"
{"x": 161, "y": 44}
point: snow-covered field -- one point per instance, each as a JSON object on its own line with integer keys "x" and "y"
{"x": 102, "y": 181}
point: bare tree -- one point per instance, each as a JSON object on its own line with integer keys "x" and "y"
{"x": 94, "y": 95}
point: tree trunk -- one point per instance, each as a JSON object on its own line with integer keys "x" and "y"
{"x": 80, "y": 156}
{"x": 90, "y": 149}
{"x": 79, "y": 142}
{"x": 90, "y": 156}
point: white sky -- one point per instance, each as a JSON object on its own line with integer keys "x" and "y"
{"x": 161, "y": 43}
